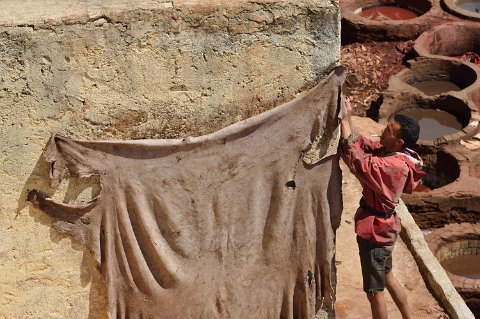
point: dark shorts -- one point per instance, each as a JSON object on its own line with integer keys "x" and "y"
{"x": 376, "y": 261}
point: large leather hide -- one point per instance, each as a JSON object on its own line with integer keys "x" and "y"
{"x": 239, "y": 223}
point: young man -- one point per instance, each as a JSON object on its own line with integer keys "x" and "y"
{"x": 385, "y": 169}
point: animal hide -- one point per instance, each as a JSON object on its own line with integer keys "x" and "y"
{"x": 239, "y": 223}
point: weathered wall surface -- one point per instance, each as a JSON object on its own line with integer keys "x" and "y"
{"x": 129, "y": 70}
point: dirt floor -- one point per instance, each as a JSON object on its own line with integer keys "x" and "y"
{"x": 351, "y": 300}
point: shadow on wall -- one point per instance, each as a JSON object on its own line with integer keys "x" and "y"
{"x": 70, "y": 191}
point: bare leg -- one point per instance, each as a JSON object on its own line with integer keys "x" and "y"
{"x": 378, "y": 305}
{"x": 398, "y": 295}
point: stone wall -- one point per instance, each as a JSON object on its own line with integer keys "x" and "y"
{"x": 129, "y": 70}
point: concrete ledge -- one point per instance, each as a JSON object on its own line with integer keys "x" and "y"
{"x": 161, "y": 69}
{"x": 436, "y": 277}
{"x": 58, "y": 12}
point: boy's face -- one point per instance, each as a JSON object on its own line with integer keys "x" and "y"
{"x": 389, "y": 138}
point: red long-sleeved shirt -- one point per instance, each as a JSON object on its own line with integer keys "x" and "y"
{"x": 384, "y": 177}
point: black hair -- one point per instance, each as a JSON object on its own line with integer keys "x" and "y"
{"x": 409, "y": 129}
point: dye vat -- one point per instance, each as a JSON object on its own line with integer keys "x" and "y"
{"x": 457, "y": 248}
{"x": 434, "y": 123}
{"x": 452, "y": 39}
{"x": 435, "y": 76}
{"x": 387, "y": 13}
{"x": 471, "y": 57}
{"x": 440, "y": 169}
{"x": 463, "y": 265}
{"x": 472, "y": 6}
{"x": 436, "y": 87}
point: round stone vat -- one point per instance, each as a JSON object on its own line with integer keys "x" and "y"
{"x": 386, "y": 13}
{"x": 461, "y": 258}
{"x": 457, "y": 248}
{"x": 434, "y": 123}
{"x": 453, "y": 40}
{"x": 440, "y": 167}
{"x": 364, "y": 20}
{"x": 442, "y": 120}
{"x": 467, "y": 9}
{"x": 435, "y": 76}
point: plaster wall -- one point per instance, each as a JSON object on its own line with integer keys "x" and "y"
{"x": 129, "y": 70}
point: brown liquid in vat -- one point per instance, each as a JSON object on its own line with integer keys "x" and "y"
{"x": 463, "y": 265}
{"x": 473, "y": 6}
{"x": 386, "y": 13}
{"x": 436, "y": 87}
{"x": 433, "y": 123}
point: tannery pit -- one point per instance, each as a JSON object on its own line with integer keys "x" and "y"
{"x": 457, "y": 247}
{"x": 454, "y": 39}
{"x": 440, "y": 169}
{"x": 435, "y": 76}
